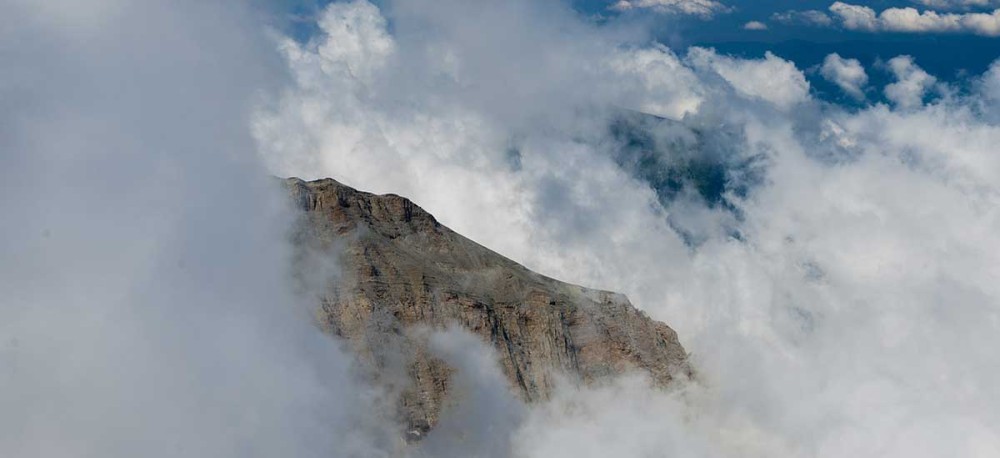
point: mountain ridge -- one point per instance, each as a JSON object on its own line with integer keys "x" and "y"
{"x": 401, "y": 269}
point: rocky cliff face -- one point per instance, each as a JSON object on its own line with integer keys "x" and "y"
{"x": 401, "y": 270}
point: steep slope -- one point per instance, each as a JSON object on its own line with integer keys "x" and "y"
{"x": 402, "y": 270}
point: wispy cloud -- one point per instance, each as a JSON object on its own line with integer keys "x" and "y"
{"x": 958, "y": 4}
{"x": 808, "y": 17}
{"x": 704, "y": 8}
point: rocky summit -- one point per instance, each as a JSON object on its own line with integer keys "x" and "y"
{"x": 399, "y": 271}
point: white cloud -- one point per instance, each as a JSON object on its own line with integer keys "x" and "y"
{"x": 808, "y": 17}
{"x": 147, "y": 305}
{"x": 987, "y": 86}
{"x": 858, "y": 277}
{"x": 772, "y": 78}
{"x": 910, "y": 20}
{"x": 755, "y": 25}
{"x": 357, "y": 40}
{"x": 958, "y": 4}
{"x": 659, "y": 81}
{"x": 855, "y": 17}
{"x": 488, "y": 415}
{"x": 848, "y": 74}
{"x": 843, "y": 303}
{"x": 912, "y": 83}
{"x": 704, "y": 8}
{"x": 565, "y": 426}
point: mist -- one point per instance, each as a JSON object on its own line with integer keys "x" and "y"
{"x": 831, "y": 269}
{"x": 147, "y": 305}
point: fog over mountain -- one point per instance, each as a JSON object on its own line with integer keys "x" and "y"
{"x": 831, "y": 270}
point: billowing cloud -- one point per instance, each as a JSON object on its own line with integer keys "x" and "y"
{"x": 848, "y": 74}
{"x": 148, "y": 307}
{"x": 912, "y": 82}
{"x": 910, "y": 20}
{"x": 842, "y": 269}
{"x": 659, "y": 81}
{"x": 856, "y": 17}
{"x": 704, "y": 8}
{"x": 361, "y": 41}
{"x": 989, "y": 83}
{"x": 772, "y": 79}
{"x": 833, "y": 271}
{"x": 755, "y": 25}
{"x": 808, "y": 17}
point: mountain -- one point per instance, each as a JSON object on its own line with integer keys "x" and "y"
{"x": 399, "y": 270}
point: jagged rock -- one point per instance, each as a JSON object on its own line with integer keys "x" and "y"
{"x": 402, "y": 269}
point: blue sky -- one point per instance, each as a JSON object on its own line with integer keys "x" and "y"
{"x": 950, "y": 56}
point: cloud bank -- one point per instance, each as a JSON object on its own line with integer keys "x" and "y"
{"x": 957, "y": 4}
{"x": 147, "y": 305}
{"x": 831, "y": 270}
{"x": 910, "y": 20}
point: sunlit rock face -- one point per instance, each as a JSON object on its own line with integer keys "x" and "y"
{"x": 399, "y": 273}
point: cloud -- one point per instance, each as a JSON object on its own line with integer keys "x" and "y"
{"x": 565, "y": 426}
{"x": 658, "y": 81}
{"x": 912, "y": 82}
{"x": 848, "y": 74}
{"x": 704, "y": 8}
{"x": 989, "y": 83}
{"x": 755, "y": 25}
{"x": 772, "y": 79}
{"x": 837, "y": 293}
{"x": 957, "y": 4}
{"x": 910, "y": 20}
{"x": 845, "y": 271}
{"x": 486, "y": 414}
{"x": 147, "y": 305}
{"x": 362, "y": 44}
{"x": 856, "y": 17}
{"x": 809, "y": 17}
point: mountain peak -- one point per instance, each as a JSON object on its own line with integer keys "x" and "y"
{"x": 400, "y": 270}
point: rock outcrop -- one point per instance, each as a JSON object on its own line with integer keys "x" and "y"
{"x": 400, "y": 270}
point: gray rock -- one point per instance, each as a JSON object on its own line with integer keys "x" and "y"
{"x": 401, "y": 271}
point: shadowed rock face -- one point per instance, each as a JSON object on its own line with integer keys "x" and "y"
{"x": 401, "y": 270}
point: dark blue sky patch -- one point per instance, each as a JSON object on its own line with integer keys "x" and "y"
{"x": 949, "y": 57}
